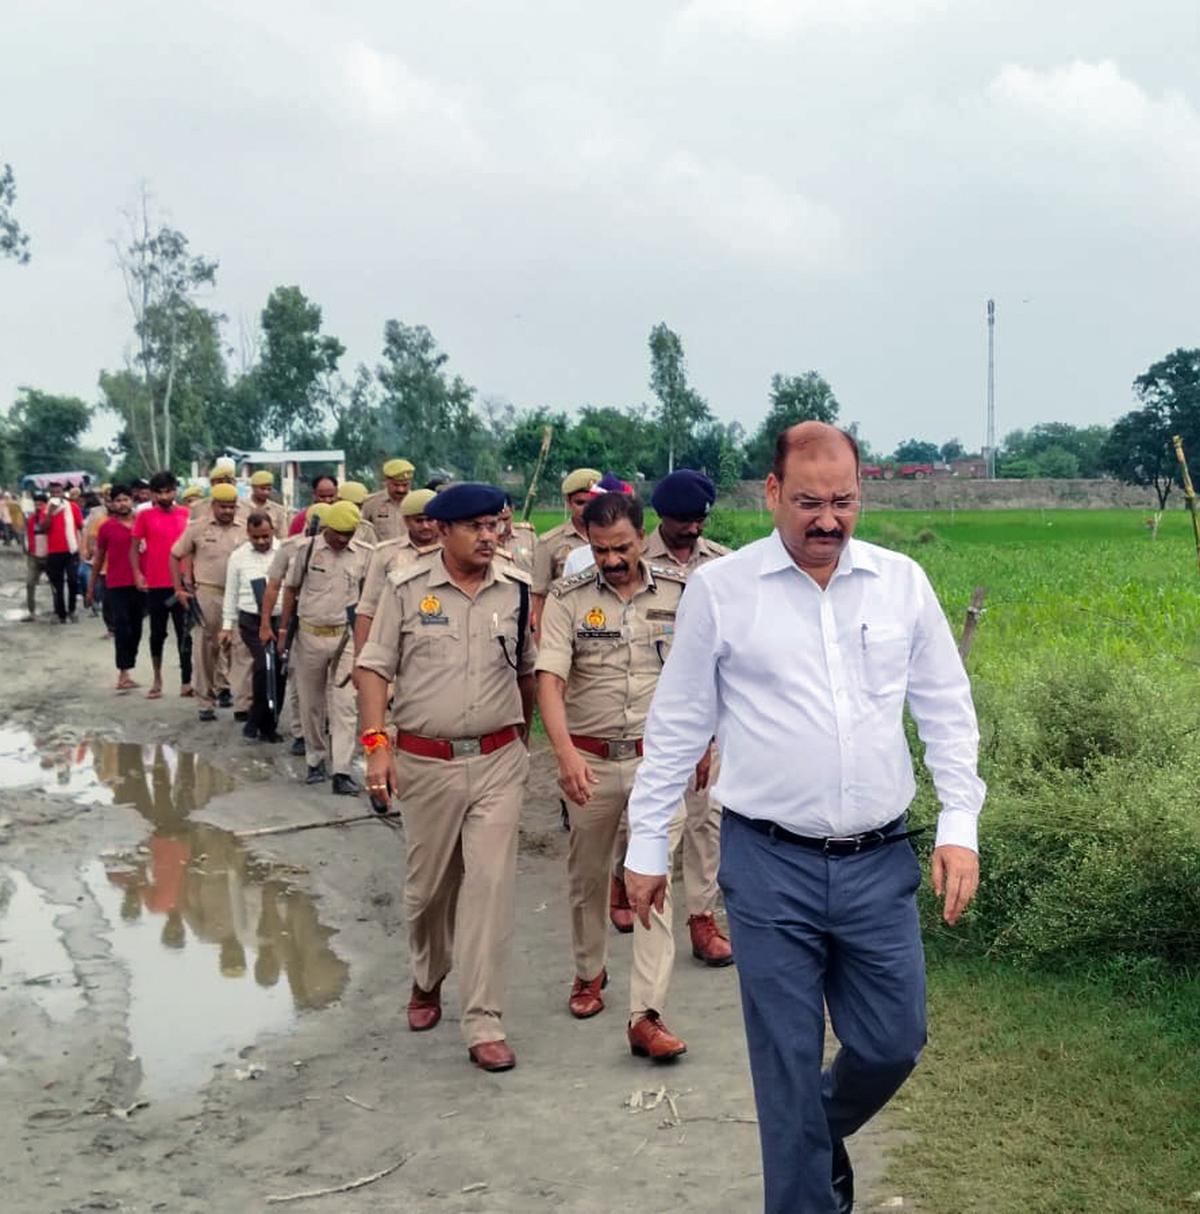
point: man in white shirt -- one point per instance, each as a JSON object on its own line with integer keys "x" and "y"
{"x": 245, "y": 581}
{"x": 799, "y": 652}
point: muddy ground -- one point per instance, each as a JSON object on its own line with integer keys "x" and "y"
{"x": 189, "y": 1022}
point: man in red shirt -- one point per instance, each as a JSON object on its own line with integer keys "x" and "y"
{"x": 155, "y": 531}
{"x": 35, "y": 551}
{"x": 64, "y": 524}
{"x": 114, "y": 544}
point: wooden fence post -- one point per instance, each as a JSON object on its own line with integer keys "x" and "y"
{"x": 974, "y": 611}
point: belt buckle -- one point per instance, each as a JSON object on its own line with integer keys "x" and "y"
{"x": 622, "y": 748}
{"x": 854, "y": 842}
{"x": 460, "y": 747}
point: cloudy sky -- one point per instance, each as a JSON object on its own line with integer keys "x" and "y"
{"x": 790, "y": 184}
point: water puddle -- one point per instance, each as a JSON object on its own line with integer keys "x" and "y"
{"x": 219, "y": 946}
{"x": 33, "y": 957}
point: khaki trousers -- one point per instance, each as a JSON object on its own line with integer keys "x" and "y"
{"x": 700, "y": 850}
{"x": 241, "y": 674}
{"x": 206, "y": 649}
{"x": 291, "y": 703}
{"x": 594, "y": 828}
{"x": 460, "y": 820}
{"x": 322, "y": 700}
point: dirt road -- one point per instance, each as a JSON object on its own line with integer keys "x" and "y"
{"x": 190, "y": 1023}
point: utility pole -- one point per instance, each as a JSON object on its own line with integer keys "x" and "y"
{"x": 991, "y": 390}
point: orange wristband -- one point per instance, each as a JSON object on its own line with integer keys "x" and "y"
{"x": 375, "y": 739}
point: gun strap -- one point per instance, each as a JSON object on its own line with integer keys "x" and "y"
{"x": 522, "y": 624}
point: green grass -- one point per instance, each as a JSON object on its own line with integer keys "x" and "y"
{"x": 1051, "y": 1094}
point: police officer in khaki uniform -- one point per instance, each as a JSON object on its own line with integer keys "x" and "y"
{"x": 277, "y": 573}
{"x": 604, "y": 638}
{"x": 322, "y": 588}
{"x": 683, "y": 500}
{"x": 223, "y": 472}
{"x": 382, "y": 509}
{"x": 450, "y": 632}
{"x": 261, "y": 484}
{"x": 518, "y": 539}
{"x": 198, "y": 558}
{"x": 559, "y": 542}
{"x": 356, "y": 492}
{"x": 420, "y": 536}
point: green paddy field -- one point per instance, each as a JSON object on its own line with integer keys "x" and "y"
{"x": 1063, "y": 1069}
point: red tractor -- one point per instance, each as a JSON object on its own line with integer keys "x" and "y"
{"x": 914, "y": 472}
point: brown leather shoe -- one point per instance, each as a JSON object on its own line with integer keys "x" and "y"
{"x": 493, "y": 1056}
{"x": 620, "y": 912}
{"x": 424, "y": 1008}
{"x": 709, "y": 943}
{"x": 585, "y": 997}
{"x": 650, "y": 1038}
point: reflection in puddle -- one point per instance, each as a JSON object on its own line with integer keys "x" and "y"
{"x": 218, "y": 946}
{"x": 33, "y": 957}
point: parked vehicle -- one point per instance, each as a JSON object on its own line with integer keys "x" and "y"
{"x": 915, "y": 472}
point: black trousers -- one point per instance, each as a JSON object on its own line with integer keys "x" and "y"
{"x": 61, "y": 568}
{"x": 161, "y": 607}
{"x": 261, "y": 716}
{"x": 127, "y": 605}
{"x": 100, "y": 595}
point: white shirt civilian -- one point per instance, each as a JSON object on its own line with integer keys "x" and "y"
{"x": 246, "y": 564}
{"x": 805, "y": 692}
{"x": 578, "y": 559}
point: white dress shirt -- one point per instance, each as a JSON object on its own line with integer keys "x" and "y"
{"x": 805, "y": 692}
{"x": 245, "y": 565}
{"x": 578, "y": 559}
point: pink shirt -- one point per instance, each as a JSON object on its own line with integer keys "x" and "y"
{"x": 155, "y": 531}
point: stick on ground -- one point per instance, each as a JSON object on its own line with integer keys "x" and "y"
{"x": 297, "y": 826}
{"x": 349, "y": 1186}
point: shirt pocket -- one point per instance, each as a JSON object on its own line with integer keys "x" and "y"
{"x": 884, "y": 653}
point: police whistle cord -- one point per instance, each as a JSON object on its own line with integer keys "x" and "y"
{"x": 390, "y": 816}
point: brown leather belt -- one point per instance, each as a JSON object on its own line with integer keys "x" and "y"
{"x": 609, "y": 748}
{"x": 456, "y": 748}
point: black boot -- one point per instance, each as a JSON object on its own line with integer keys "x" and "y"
{"x": 345, "y": 786}
{"x": 843, "y": 1178}
{"x": 317, "y": 775}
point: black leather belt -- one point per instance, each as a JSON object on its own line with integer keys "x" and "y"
{"x": 835, "y": 845}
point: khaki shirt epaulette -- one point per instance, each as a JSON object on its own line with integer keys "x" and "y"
{"x": 550, "y": 555}
{"x": 585, "y": 577}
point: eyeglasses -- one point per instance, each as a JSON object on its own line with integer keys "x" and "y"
{"x": 836, "y": 505}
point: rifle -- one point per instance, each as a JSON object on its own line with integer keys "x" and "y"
{"x": 547, "y": 437}
{"x": 270, "y": 667}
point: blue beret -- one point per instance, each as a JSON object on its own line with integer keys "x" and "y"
{"x": 684, "y": 494}
{"x": 466, "y": 500}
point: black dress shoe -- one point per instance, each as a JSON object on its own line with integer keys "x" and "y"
{"x": 317, "y": 775}
{"x": 208, "y": 714}
{"x": 249, "y": 730}
{"x": 298, "y": 747}
{"x": 843, "y": 1178}
{"x": 225, "y": 700}
{"x": 345, "y": 786}
{"x": 241, "y": 716}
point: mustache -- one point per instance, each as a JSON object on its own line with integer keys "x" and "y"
{"x": 620, "y": 567}
{"x": 819, "y": 533}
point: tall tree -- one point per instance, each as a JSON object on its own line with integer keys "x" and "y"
{"x": 794, "y": 398}
{"x": 358, "y": 428}
{"x": 1172, "y": 386}
{"x": 916, "y": 451}
{"x": 296, "y": 361}
{"x": 426, "y": 413}
{"x": 162, "y": 280}
{"x": 14, "y": 242}
{"x": 680, "y": 408}
{"x": 1139, "y": 452}
{"x": 45, "y": 429}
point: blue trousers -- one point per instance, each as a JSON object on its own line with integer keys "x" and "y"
{"x": 811, "y": 931}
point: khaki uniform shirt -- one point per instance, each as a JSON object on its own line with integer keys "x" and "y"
{"x": 522, "y": 546}
{"x": 332, "y": 582}
{"x": 391, "y": 554}
{"x": 551, "y": 555}
{"x": 384, "y": 515}
{"x": 609, "y": 652}
{"x": 366, "y": 534}
{"x": 209, "y": 544}
{"x": 657, "y": 552}
{"x": 281, "y": 562}
{"x": 454, "y": 676}
{"x": 274, "y": 511}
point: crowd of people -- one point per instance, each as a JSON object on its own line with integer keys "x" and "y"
{"x": 419, "y": 628}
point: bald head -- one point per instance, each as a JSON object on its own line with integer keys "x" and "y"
{"x": 814, "y": 439}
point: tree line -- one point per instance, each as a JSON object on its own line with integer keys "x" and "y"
{"x": 184, "y": 392}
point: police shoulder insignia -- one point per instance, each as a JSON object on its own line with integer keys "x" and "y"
{"x": 595, "y": 619}
{"x": 586, "y": 577}
{"x": 667, "y": 573}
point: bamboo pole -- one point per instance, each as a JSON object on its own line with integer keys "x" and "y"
{"x": 974, "y": 611}
{"x": 1189, "y": 492}
{"x": 298, "y": 826}
{"x": 547, "y": 436}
